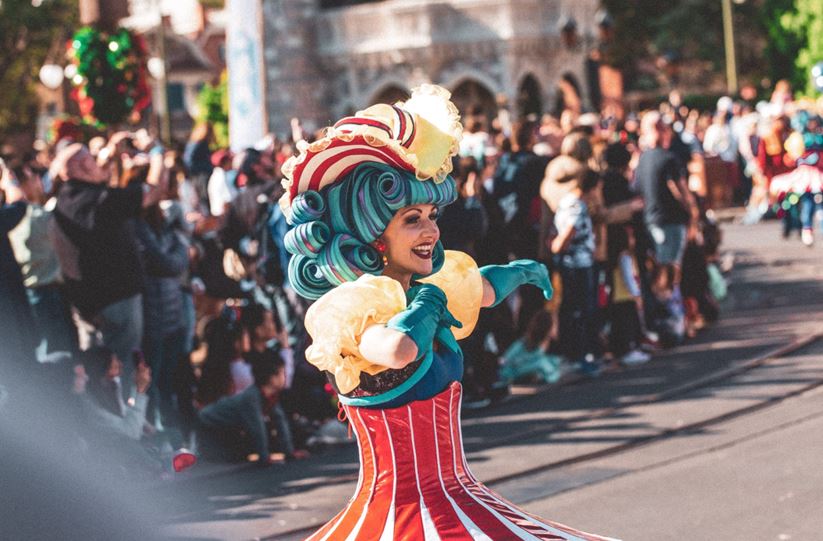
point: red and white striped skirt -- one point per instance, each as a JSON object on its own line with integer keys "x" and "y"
{"x": 415, "y": 483}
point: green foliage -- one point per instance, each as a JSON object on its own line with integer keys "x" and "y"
{"x": 782, "y": 47}
{"x": 213, "y": 107}
{"x": 683, "y": 31}
{"x": 805, "y": 22}
{"x": 28, "y": 37}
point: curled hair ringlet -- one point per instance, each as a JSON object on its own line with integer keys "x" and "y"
{"x": 306, "y": 279}
{"x": 335, "y": 227}
{"x": 307, "y": 238}
{"x": 307, "y": 207}
{"x": 345, "y": 258}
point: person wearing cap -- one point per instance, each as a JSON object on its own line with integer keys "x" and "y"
{"x": 249, "y": 220}
{"x": 564, "y": 189}
{"x": 390, "y": 305}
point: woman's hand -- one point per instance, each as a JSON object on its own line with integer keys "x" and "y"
{"x": 505, "y": 279}
{"x": 432, "y": 295}
{"x": 410, "y": 334}
{"x": 535, "y": 274}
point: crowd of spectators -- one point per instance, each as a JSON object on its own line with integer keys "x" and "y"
{"x": 159, "y": 275}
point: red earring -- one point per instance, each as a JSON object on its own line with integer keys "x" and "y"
{"x": 380, "y": 246}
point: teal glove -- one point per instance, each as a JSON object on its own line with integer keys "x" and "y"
{"x": 504, "y": 279}
{"x": 424, "y": 315}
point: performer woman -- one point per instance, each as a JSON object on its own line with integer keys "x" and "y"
{"x": 391, "y": 303}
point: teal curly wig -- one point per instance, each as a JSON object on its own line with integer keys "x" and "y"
{"x": 333, "y": 229}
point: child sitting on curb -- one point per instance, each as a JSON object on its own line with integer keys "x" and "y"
{"x": 528, "y": 357}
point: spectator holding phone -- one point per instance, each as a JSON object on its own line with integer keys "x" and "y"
{"x": 95, "y": 241}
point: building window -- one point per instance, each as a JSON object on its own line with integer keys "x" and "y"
{"x": 175, "y": 92}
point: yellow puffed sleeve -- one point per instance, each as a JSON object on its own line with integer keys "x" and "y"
{"x": 336, "y": 322}
{"x": 795, "y": 145}
{"x": 462, "y": 283}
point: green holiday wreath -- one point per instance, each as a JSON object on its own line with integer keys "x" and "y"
{"x": 110, "y": 84}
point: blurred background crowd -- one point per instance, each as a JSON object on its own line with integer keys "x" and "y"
{"x": 151, "y": 283}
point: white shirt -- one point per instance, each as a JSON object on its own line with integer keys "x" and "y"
{"x": 720, "y": 141}
{"x": 221, "y": 191}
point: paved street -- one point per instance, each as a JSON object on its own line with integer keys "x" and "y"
{"x": 754, "y": 478}
{"x": 716, "y": 439}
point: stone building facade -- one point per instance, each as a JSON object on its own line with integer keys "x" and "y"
{"x": 323, "y": 63}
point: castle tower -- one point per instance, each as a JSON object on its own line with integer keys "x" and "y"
{"x": 295, "y": 83}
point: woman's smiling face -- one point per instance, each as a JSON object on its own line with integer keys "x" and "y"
{"x": 410, "y": 238}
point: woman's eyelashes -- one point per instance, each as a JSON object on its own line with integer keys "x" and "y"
{"x": 415, "y": 218}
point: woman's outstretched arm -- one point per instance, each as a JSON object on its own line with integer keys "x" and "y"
{"x": 503, "y": 280}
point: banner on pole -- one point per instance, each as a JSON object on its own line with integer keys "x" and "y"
{"x": 244, "y": 54}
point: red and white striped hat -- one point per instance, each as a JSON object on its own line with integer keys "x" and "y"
{"x": 420, "y": 135}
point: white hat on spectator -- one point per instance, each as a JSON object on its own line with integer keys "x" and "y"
{"x": 725, "y": 104}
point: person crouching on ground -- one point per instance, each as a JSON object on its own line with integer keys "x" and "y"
{"x": 268, "y": 339}
{"x": 225, "y": 372}
{"x": 98, "y": 383}
{"x": 529, "y": 357}
{"x": 235, "y": 427}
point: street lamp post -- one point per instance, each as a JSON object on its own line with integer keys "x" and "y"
{"x": 728, "y": 40}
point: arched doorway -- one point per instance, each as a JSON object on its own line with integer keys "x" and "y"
{"x": 474, "y": 101}
{"x": 568, "y": 95}
{"x": 529, "y": 101}
{"x": 390, "y": 94}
